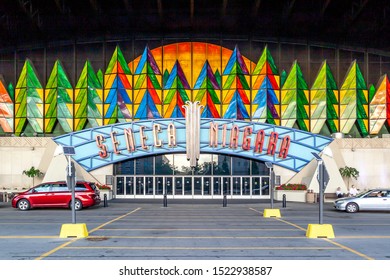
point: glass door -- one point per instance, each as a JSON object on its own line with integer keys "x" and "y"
{"x": 159, "y": 184}
{"x": 139, "y": 186}
{"x": 168, "y": 185}
{"x": 265, "y": 186}
{"x": 256, "y": 186}
{"x": 178, "y": 185}
{"x": 129, "y": 186}
{"x": 217, "y": 186}
{"x": 206, "y": 186}
{"x": 120, "y": 185}
{"x": 236, "y": 185}
{"x": 187, "y": 185}
{"x": 226, "y": 186}
{"x": 149, "y": 186}
{"x": 197, "y": 185}
{"x": 246, "y": 186}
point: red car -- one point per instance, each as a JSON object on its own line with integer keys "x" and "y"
{"x": 57, "y": 194}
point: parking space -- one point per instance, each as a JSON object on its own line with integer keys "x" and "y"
{"x": 135, "y": 229}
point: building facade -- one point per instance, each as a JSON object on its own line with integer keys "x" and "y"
{"x": 127, "y": 117}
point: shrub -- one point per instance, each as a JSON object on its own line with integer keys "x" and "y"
{"x": 103, "y": 187}
{"x": 292, "y": 187}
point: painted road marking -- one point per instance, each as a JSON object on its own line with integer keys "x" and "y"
{"x": 73, "y": 240}
{"x": 199, "y": 248}
{"x": 326, "y": 239}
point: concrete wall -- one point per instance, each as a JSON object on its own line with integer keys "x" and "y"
{"x": 18, "y": 154}
{"x": 369, "y": 156}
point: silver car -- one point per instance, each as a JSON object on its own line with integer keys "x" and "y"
{"x": 377, "y": 199}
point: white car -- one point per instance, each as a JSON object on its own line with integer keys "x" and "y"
{"x": 377, "y": 199}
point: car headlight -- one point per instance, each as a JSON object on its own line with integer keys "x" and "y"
{"x": 340, "y": 202}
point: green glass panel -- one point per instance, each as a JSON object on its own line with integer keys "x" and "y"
{"x": 371, "y": 94}
{"x": 244, "y": 82}
{"x": 229, "y": 82}
{"x": 100, "y": 76}
{"x": 218, "y": 77}
{"x": 11, "y": 91}
{"x": 169, "y": 96}
{"x": 140, "y": 81}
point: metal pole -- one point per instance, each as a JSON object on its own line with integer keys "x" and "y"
{"x": 321, "y": 191}
{"x": 272, "y": 187}
{"x": 73, "y": 193}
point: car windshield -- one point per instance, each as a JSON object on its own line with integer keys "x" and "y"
{"x": 362, "y": 194}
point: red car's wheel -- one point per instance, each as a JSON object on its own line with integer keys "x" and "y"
{"x": 23, "y": 204}
{"x": 77, "y": 203}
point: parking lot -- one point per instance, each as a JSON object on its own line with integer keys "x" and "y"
{"x": 193, "y": 230}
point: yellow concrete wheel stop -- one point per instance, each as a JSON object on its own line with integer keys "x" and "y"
{"x": 271, "y": 213}
{"x": 320, "y": 231}
{"x": 74, "y": 231}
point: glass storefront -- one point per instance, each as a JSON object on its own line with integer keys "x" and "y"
{"x": 213, "y": 177}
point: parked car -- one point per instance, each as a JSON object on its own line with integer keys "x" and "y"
{"x": 377, "y": 199}
{"x": 57, "y": 194}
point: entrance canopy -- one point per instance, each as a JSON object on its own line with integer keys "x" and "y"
{"x": 285, "y": 147}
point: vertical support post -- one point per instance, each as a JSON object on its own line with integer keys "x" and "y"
{"x": 272, "y": 186}
{"x": 165, "y": 201}
{"x": 105, "y": 200}
{"x": 284, "y": 202}
{"x": 71, "y": 176}
{"x": 321, "y": 190}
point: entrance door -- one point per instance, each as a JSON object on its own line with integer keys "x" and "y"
{"x": 207, "y": 186}
{"x": 236, "y": 185}
{"x": 187, "y": 185}
{"x": 129, "y": 190}
{"x": 226, "y": 186}
{"x": 178, "y": 185}
{"x": 159, "y": 184}
{"x": 197, "y": 185}
{"x": 265, "y": 186}
{"x": 168, "y": 185}
{"x": 120, "y": 185}
{"x": 246, "y": 186}
{"x": 149, "y": 186}
{"x": 256, "y": 186}
{"x": 139, "y": 186}
{"x": 217, "y": 186}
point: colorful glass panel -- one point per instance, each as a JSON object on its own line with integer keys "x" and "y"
{"x": 294, "y": 100}
{"x": 206, "y": 91}
{"x": 28, "y": 100}
{"x": 147, "y": 88}
{"x": 58, "y": 100}
{"x": 176, "y": 94}
{"x": 266, "y": 90}
{"x": 235, "y": 89}
{"x": 354, "y": 101}
{"x": 379, "y": 106}
{"x": 6, "y": 110}
{"x": 324, "y": 101}
{"x": 88, "y": 99}
{"x": 117, "y": 90}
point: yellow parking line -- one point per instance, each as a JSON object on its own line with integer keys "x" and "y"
{"x": 75, "y": 239}
{"x": 199, "y": 248}
{"x": 27, "y": 236}
{"x": 199, "y": 229}
{"x": 326, "y": 239}
{"x": 198, "y": 237}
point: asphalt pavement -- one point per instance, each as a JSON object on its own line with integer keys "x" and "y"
{"x": 193, "y": 230}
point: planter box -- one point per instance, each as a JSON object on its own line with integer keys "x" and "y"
{"x": 295, "y": 196}
{"x": 107, "y": 192}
